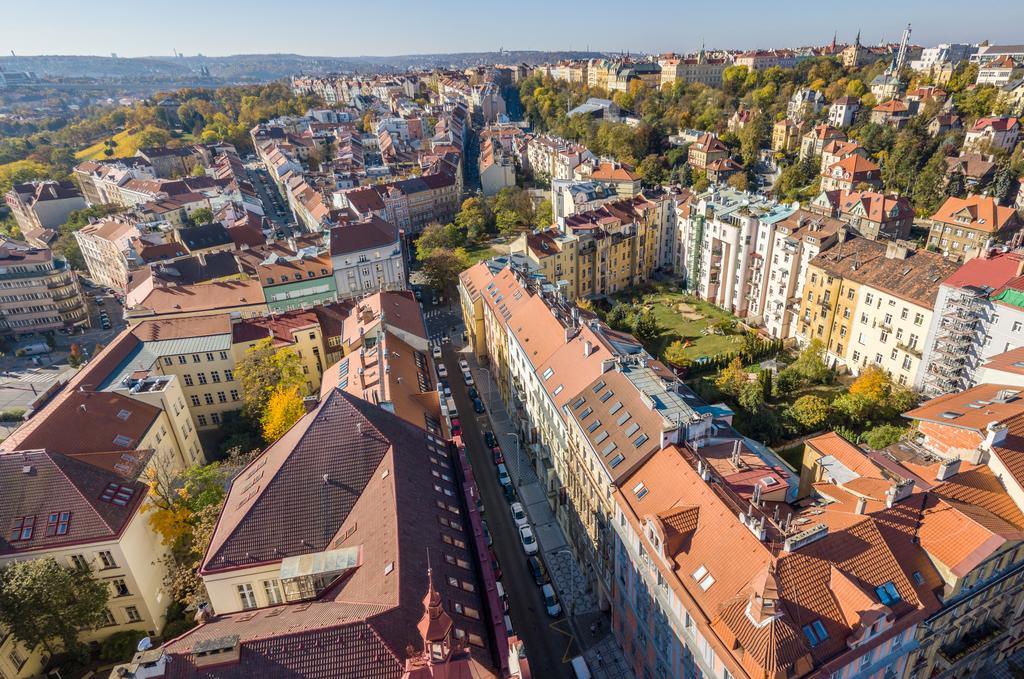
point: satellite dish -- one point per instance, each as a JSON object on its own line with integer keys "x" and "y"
{"x": 144, "y": 644}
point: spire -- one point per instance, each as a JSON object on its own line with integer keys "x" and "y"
{"x": 764, "y": 597}
{"x": 832, "y": 47}
{"x": 435, "y": 626}
{"x": 856, "y": 40}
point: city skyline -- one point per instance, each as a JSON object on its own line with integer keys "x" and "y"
{"x": 324, "y": 30}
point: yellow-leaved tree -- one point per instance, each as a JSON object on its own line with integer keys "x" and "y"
{"x": 284, "y": 408}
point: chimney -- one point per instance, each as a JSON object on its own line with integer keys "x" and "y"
{"x": 587, "y": 346}
{"x": 862, "y": 503}
{"x": 995, "y": 434}
{"x": 947, "y": 469}
{"x": 895, "y": 250}
{"x": 898, "y": 491}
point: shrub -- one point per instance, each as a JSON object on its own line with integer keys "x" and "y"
{"x": 121, "y": 646}
{"x": 883, "y": 436}
{"x": 12, "y": 415}
{"x": 176, "y": 628}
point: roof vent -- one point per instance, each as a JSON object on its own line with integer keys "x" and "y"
{"x": 804, "y": 538}
{"x": 27, "y": 469}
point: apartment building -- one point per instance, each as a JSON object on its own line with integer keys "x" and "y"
{"x": 786, "y": 136}
{"x": 367, "y": 256}
{"x": 409, "y": 204}
{"x": 872, "y": 214}
{"x": 616, "y": 176}
{"x": 842, "y": 111}
{"x": 814, "y": 141}
{"x": 38, "y": 291}
{"x": 41, "y": 207}
{"x": 706, "y": 150}
{"x": 85, "y": 512}
{"x": 101, "y": 180}
{"x": 107, "y": 248}
{"x": 872, "y": 302}
{"x": 979, "y": 314}
{"x": 569, "y": 197}
{"x": 728, "y": 235}
{"x": 993, "y": 134}
{"x": 804, "y": 104}
{"x": 295, "y": 274}
{"x": 700, "y": 68}
{"x": 497, "y": 168}
{"x": 854, "y": 172}
{"x": 796, "y": 240}
{"x": 554, "y": 158}
{"x": 963, "y": 227}
{"x": 598, "y": 252}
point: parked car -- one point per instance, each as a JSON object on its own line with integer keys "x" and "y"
{"x": 503, "y": 478}
{"x": 487, "y": 533}
{"x": 551, "y": 601}
{"x": 490, "y": 439}
{"x": 464, "y": 365}
{"x": 467, "y": 377}
{"x": 528, "y": 541}
{"x": 478, "y": 406}
{"x": 498, "y": 457}
{"x": 456, "y": 427}
{"x": 518, "y": 515}
{"x": 445, "y": 388}
{"x": 473, "y": 393}
{"x": 495, "y": 566}
{"x": 436, "y": 351}
{"x": 442, "y": 371}
{"x": 418, "y": 295}
{"x": 537, "y": 570}
{"x": 501, "y": 595}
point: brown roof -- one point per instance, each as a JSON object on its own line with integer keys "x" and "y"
{"x": 371, "y": 233}
{"x": 180, "y": 299}
{"x": 1011, "y": 361}
{"x": 973, "y": 408}
{"x": 180, "y": 328}
{"x": 40, "y": 483}
{"x": 89, "y": 421}
{"x": 981, "y": 213}
{"x": 915, "y": 278}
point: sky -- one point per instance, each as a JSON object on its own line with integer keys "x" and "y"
{"x": 353, "y": 28}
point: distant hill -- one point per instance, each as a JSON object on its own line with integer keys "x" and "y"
{"x": 260, "y": 67}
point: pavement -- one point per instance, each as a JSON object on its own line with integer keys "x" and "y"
{"x": 265, "y": 188}
{"x": 588, "y": 627}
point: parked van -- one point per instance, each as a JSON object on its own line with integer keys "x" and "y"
{"x": 501, "y": 596}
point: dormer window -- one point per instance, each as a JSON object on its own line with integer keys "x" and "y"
{"x": 815, "y": 633}
{"x": 887, "y": 593}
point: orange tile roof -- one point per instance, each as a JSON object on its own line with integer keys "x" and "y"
{"x": 980, "y": 213}
{"x": 973, "y": 408}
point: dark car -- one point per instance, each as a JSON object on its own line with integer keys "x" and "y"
{"x": 495, "y": 566}
{"x": 487, "y": 533}
{"x": 99, "y": 301}
{"x": 490, "y": 439}
{"x": 537, "y": 570}
{"x": 473, "y": 393}
{"x": 498, "y": 457}
{"x": 478, "y": 406}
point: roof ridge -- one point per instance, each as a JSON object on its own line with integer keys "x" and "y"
{"x": 53, "y": 457}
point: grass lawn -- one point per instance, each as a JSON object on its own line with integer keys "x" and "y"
{"x": 665, "y": 305}
{"x": 480, "y": 252}
{"x": 95, "y": 152}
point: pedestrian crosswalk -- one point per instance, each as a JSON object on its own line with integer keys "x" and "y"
{"x": 33, "y": 376}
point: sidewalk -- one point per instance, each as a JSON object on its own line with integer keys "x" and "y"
{"x": 578, "y": 602}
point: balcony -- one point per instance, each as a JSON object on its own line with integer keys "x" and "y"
{"x": 972, "y": 642}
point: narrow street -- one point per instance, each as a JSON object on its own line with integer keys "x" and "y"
{"x": 279, "y": 219}
{"x": 549, "y": 642}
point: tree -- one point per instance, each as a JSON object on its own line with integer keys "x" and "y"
{"x": 619, "y": 317}
{"x": 1003, "y": 183}
{"x": 653, "y": 170}
{"x": 810, "y": 412}
{"x": 873, "y": 383}
{"x": 957, "y": 185}
{"x": 929, "y": 189}
{"x": 472, "y": 218}
{"x": 284, "y": 408}
{"x": 810, "y": 364}
{"x": 203, "y": 215}
{"x": 883, "y": 436}
{"x": 264, "y": 369}
{"x": 854, "y": 409}
{"x": 544, "y": 215}
{"x": 508, "y": 222}
{"x": 442, "y": 267}
{"x": 751, "y": 396}
{"x": 732, "y": 378}
{"x": 675, "y": 354}
{"x": 645, "y": 326}
{"x": 42, "y": 602}
{"x": 436, "y": 236}
{"x": 75, "y": 358}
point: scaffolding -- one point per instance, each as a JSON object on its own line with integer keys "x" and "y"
{"x": 955, "y": 340}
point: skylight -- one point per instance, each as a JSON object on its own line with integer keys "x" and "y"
{"x": 887, "y": 593}
{"x": 548, "y": 373}
{"x": 593, "y": 426}
{"x": 700, "y": 572}
{"x": 606, "y": 395}
{"x": 631, "y": 429}
{"x": 616, "y": 461}
{"x": 608, "y": 448}
{"x": 122, "y": 440}
{"x": 599, "y": 386}
{"x": 640, "y": 440}
{"x": 616, "y": 407}
{"x": 601, "y": 437}
{"x": 586, "y": 413}
{"x": 117, "y": 494}
{"x": 578, "y": 402}
{"x": 640, "y": 490}
{"x": 815, "y": 632}
{"x": 123, "y": 414}
{"x": 706, "y": 583}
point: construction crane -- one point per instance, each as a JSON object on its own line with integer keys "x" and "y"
{"x": 901, "y": 56}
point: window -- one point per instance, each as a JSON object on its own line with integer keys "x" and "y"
{"x": 16, "y": 658}
{"x": 273, "y": 591}
{"x": 188, "y": 380}
{"x": 229, "y": 375}
{"x": 78, "y": 561}
{"x": 194, "y": 399}
{"x": 887, "y": 593}
{"x": 208, "y": 398}
{"x": 918, "y": 319}
{"x": 57, "y": 524}
{"x": 108, "y": 618}
{"x": 182, "y": 360}
{"x": 815, "y": 633}
{"x": 120, "y": 587}
{"x": 22, "y": 527}
{"x": 132, "y": 613}
{"x": 246, "y": 596}
{"x": 222, "y": 397}
{"x": 201, "y": 419}
{"x": 107, "y": 559}
{"x": 117, "y": 494}
{"x": 223, "y": 355}
{"x": 215, "y": 375}
{"x": 167, "y": 360}
{"x": 1016, "y": 326}
{"x": 201, "y": 377}
{"x": 215, "y": 418}
{"x": 196, "y": 358}
{"x": 234, "y": 394}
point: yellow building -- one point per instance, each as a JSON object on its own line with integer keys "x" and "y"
{"x": 298, "y": 331}
{"x": 786, "y": 136}
{"x": 601, "y": 252}
{"x": 84, "y": 512}
{"x": 871, "y": 303}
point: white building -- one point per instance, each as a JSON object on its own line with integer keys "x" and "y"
{"x": 367, "y": 257}
{"x": 944, "y": 53}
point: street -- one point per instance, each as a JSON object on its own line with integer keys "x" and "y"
{"x": 549, "y": 642}
{"x": 280, "y": 219}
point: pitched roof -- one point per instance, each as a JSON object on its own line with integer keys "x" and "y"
{"x": 981, "y": 213}
{"x": 40, "y": 483}
{"x": 972, "y": 408}
{"x": 371, "y": 233}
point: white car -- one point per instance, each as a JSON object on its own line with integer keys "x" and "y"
{"x": 436, "y": 351}
{"x": 550, "y": 601}
{"x": 442, "y": 371}
{"x": 503, "y": 477}
{"x": 518, "y": 515}
{"x": 464, "y": 365}
{"x": 467, "y": 377}
{"x": 526, "y": 538}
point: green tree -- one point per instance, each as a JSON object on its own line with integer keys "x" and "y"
{"x": 203, "y": 215}
{"x": 675, "y": 354}
{"x": 263, "y": 369}
{"x": 854, "y": 409}
{"x": 645, "y": 326}
{"x": 544, "y": 217}
{"x": 472, "y": 218}
{"x": 883, "y": 436}
{"x": 619, "y": 317}
{"x": 653, "y": 170}
{"x": 957, "y": 186}
{"x": 442, "y": 267}
{"x": 930, "y": 189}
{"x": 751, "y": 396}
{"x": 436, "y": 236}
{"x": 810, "y": 412}
{"x": 43, "y": 602}
{"x": 810, "y": 366}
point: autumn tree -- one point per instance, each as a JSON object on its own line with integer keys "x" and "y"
{"x": 543, "y": 217}
{"x": 442, "y": 267}
{"x": 732, "y": 378}
{"x": 263, "y": 369}
{"x": 675, "y": 353}
{"x": 203, "y": 215}
{"x": 810, "y": 412}
{"x": 873, "y": 383}
{"x": 45, "y": 603}
{"x": 284, "y": 408}
{"x": 472, "y": 218}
